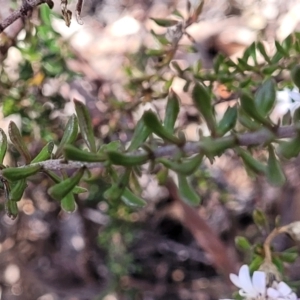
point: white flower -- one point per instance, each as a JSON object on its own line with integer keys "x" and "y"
{"x": 254, "y": 288}
{"x": 281, "y": 291}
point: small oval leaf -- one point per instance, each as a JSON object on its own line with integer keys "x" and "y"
{"x": 242, "y": 243}
{"x": 249, "y": 107}
{"x": 3, "y": 145}
{"x": 68, "y": 203}
{"x": 17, "y": 173}
{"x": 17, "y": 190}
{"x": 172, "y": 111}
{"x": 16, "y": 139}
{"x": 140, "y": 135}
{"x": 274, "y": 173}
{"x": 164, "y": 22}
{"x": 73, "y": 153}
{"x": 202, "y": 100}
{"x": 69, "y": 136}
{"x": 60, "y": 190}
{"x": 45, "y": 153}
{"x": 131, "y": 199}
{"x": 85, "y": 125}
{"x": 186, "y": 192}
{"x": 265, "y": 97}
{"x": 128, "y": 160}
{"x": 155, "y": 126}
{"x": 228, "y": 121}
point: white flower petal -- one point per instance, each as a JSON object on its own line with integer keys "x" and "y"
{"x": 293, "y": 296}
{"x": 259, "y": 282}
{"x": 272, "y": 293}
{"x": 245, "y": 281}
{"x": 284, "y": 289}
{"x": 235, "y": 280}
{"x": 294, "y": 95}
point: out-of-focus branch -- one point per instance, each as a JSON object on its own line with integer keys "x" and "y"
{"x": 23, "y": 11}
{"x": 207, "y": 239}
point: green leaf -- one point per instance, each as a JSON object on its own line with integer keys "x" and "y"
{"x": 11, "y": 209}
{"x": 198, "y": 9}
{"x": 255, "y": 263}
{"x": 295, "y": 75}
{"x": 186, "y": 192}
{"x": 277, "y": 57}
{"x": 17, "y": 173}
{"x": 70, "y": 135}
{"x": 68, "y": 203}
{"x": 288, "y": 257}
{"x": 260, "y": 219}
{"x": 262, "y": 50}
{"x": 16, "y": 139}
{"x": 270, "y": 69}
{"x": 73, "y": 153}
{"x": 265, "y": 97}
{"x": 117, "y": 189}
{"x": 228, "y": 121}
{"x": 85, "y": 125}
{"x": 162, "y": 176}
{"x": 60, "y": 190}
{"x": 45, "y": 14}
{"x": 17, "y": 190}
{"x": 202, "y": 100}
{"x": 274, "y": 174}
{"x": 77, "y": 189}
{"x": 155, "y": 126}
{"x": 247, "y": 122}
{"x": 161, "y": 38}
{"x": 184, "y": 167}
{"x": 242, "y": 243}
{"x": 45, "y": 153}
{"x": 213, "y": 147}
{"x": 290, "y": 148}
{"x": 155, "y": 52}
{"x": 280, "y": 49}
{"x": 140, "y": 135}
{"x": 164, "y": 22}
{"x": 252, "y": 51}
{"x": 132, "y": 200}
{"x": 128, "y": 160}
{"x": 112, "y": 146}
{"x": 172, "y": 111}
{"x": 243, "y": 65}
{"x": 288, "y": 42}
{"x": 218, "y": 61}
{"x": 3, "y": 145}
{"x": 254, "y": 165}
{"x": 249, "y": 107}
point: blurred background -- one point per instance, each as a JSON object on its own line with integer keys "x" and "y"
{"x": 108, "y": 250}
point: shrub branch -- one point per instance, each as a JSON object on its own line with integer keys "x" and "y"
{"x": 23, "y": 11}
{"x": 259, "y": 137}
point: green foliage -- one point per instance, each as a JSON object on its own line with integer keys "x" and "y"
{"x": 43, "y": 57}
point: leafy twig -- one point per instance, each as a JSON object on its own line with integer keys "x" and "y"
{"x": 246, "y": 139}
